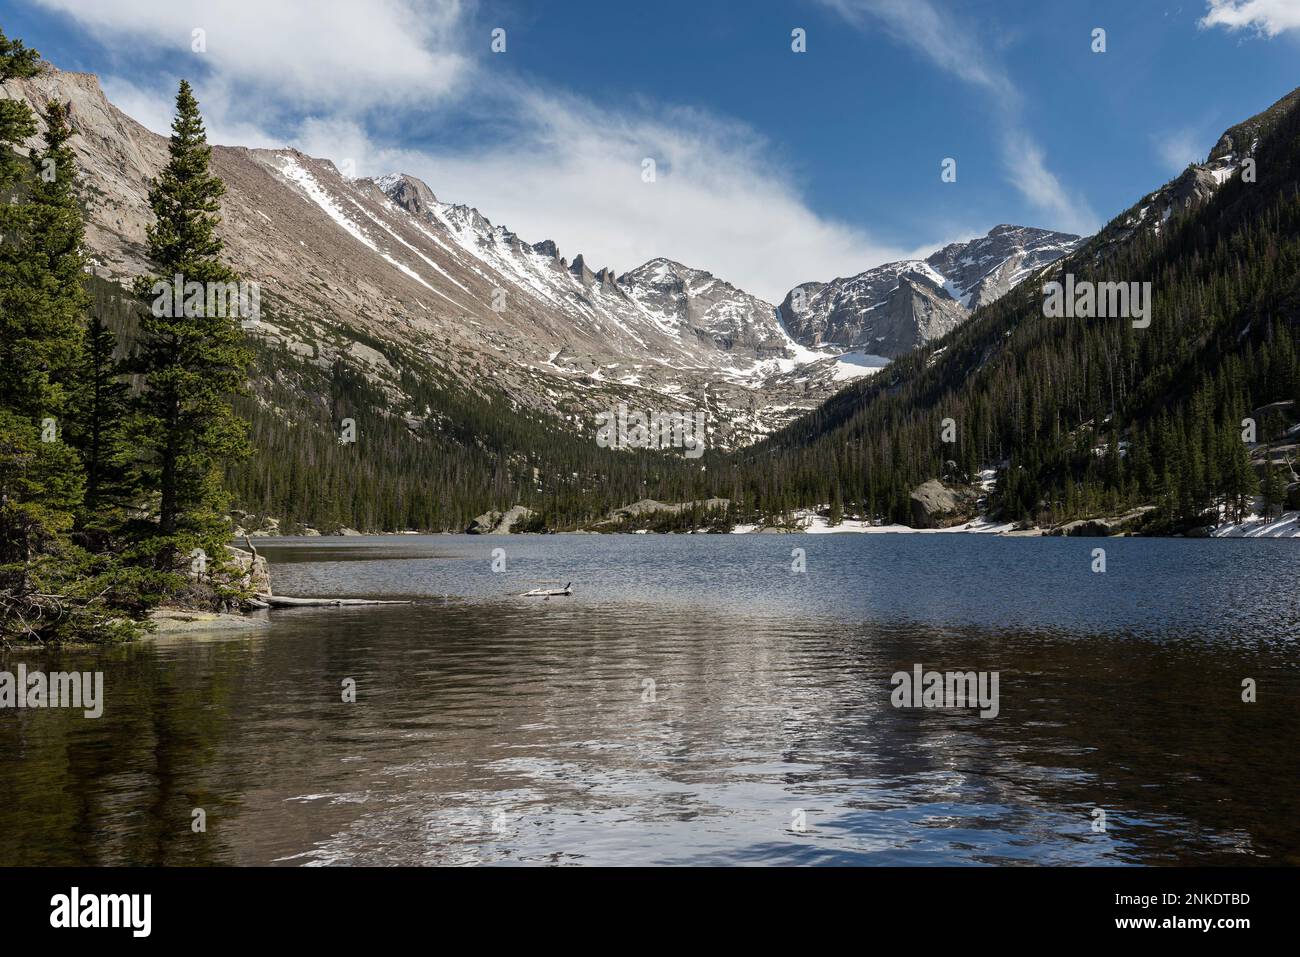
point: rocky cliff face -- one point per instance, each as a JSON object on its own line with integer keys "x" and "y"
{"x": 1196, "y": 184}
{"x": 893, "y": 308}
{"x": 986, "y": 269}
{"x": 679, "y": 298}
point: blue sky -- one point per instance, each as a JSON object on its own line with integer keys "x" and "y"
{"x": 772, "y": 167}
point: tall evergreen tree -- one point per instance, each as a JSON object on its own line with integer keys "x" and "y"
{"x": 191, "y": 359}
{"x": 98, "y": 428}
{"x": 17, "y": 124}
{"x": 38, "y": 489}
{"x": 50, "y": 588}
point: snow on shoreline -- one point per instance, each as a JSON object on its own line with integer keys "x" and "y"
{"x": 1286, "y": 525}
{"x": 811, "y": 524}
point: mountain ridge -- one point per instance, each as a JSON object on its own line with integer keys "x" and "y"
{"x": 919, "y": 299}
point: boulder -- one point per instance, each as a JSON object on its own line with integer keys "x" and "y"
{"x": 516, "y": 514}
{"x": 484, "y": 524}
{"x": 499, "y": 523}
{"x": 1100, "y": 527}
{"x": 937, "y": 505}
{"x": 1085, "y": 528}
{"x": 268, "y": 527}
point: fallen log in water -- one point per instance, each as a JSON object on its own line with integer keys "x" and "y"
{"x": 548, "y": 592}
{"x": 283, "y": 601}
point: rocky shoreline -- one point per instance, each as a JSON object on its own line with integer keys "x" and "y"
{"x": 1286, "y": 525}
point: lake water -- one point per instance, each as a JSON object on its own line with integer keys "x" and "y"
{"x": 695, "y": 701}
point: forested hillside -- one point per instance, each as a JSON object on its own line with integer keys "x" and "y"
{"x": 1087, "y": 416}
{"x": 432, "y": 461}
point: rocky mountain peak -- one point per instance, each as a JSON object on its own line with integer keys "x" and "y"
{"x": 1240, "y": 141}
{"x": 1197, "y": 183}
{"x": 896, "y": 306}
{"x": 408, "y": 192}
{"x": 384, "y": 260}
{"x": 580, "y": 270}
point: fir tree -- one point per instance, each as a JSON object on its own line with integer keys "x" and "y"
{"x": 98, "y": 428}
{"x": 50, "y": 588}
{"x": 16, "y": 125}
{"x": 191, "y": 359}
{"x": 1272, "y": 490}
{"x": 837, "y": 508}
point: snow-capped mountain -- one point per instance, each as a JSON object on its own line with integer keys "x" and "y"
{"x": 684, "y": 298}
{"x": 344, "y": 262}
{"x": 983, "y": 270}
{"x": 893, "y": 308}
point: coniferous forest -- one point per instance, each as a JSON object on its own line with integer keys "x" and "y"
{"x": 111, "y": 491}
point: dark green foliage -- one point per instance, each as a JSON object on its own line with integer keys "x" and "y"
{"x": 98, "y": 428}
{"x": 51, "y": 588}
{"x": 191, "y": 357}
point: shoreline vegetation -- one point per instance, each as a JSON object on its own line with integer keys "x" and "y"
{"x": 179, "y": 621}
{"x": 1285, "y": 525}
{"x": 694, "y": 518}
{"x": 112, "y": 498}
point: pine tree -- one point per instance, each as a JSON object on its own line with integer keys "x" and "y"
{"x": 191, "y": 360}
{"x": 50, "y": 587}
{"x": 98, "y": 428}
{"x": 56, "y": 260}
{"x": 17, "y": 124}
{"x": 1272, "y": 490}
{"x": 37, "y": 478}
{"x": 837, "y": 507}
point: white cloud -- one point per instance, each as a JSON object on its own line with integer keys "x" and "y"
{"x": 1269, "y": 17}
{"x": 1178, "y": 148}
{"x": 1027, "y": 169}
{"x": 572, "y": 172}
{"x": 950, "y": 46}
{"x": 155, "y": 108}
{"x": 336, "y": 53}
{"x": 956, "y": 48}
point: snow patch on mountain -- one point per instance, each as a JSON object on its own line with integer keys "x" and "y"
{"x": 895, "y": 307}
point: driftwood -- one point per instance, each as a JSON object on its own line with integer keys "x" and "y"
{"x": 283, "y": 601}
{"x": 267, "y": 600}
{"x": 548, "y": 592}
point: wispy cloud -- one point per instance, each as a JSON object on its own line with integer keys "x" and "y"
{"x": 1178, "y": 148}
{"x": 1026, "y": 165}
{"x": 571, "y": 171}
{"x": 957, "y": 48}
{"x": 345, "y": 81}
{"x": 950, "y": 46}
{"x": 335, "y": 54}
{"x": 1267, "y": 17}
